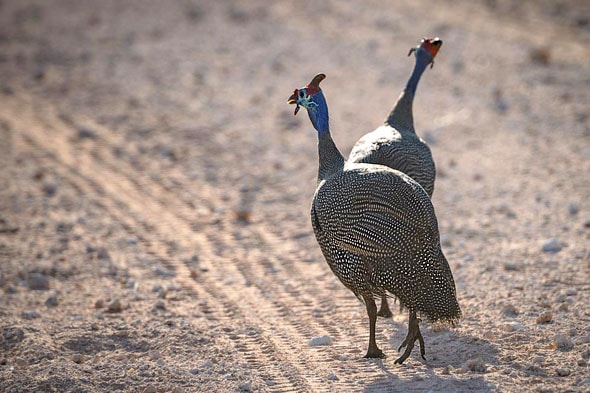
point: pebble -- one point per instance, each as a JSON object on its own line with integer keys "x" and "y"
{"x": 160, "y": 305}
{"x": 446, "y": 240}
{"x": 571, "y": 292}
{"x": 51, "y": 301}
{"x": 78, "y": 358}
{"x": 158, "y": 271}
{"x": 573, "y": 209}
{"x": 154, "y": 355}
{"x": 582, "y": 340}
{"x": 552, "y": 245}
{"x": 49, "y": 189}
{"x": 509, "y": 310}
{"x": 320, "y": 340}
{"x": 563, "y": 372}
{"x": 546, "y": 317}
{"x": 245, "y": 387}
{"x": 512, "y": 326}
{"x": 160, "y": 290}
{"x": 150, "y": 389}
{"x": 38, "y": 282}
{"x": 511, "y": 266}
{"x": 582, "y": 362}
{"x": 539, "y": 359}
{"x": 114, "y": 306}
{"x": 475, "y": 365}
{"x": 30, "y": 314}
{"x": 103, "y": 254}
{"x": 86, "y": 133}
{"x": 332, "y": 377}
{"x": 20, "y": 362}
{"x": 584, "y": 382}
{"x": 563, "y": 342}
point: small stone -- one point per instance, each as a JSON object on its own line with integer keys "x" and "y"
{"x": 164, "y": 272}
{"x": 552, "y": 245}
{"x": 38, "y": 282}
{"x": 332, "y": 377}
{"x": 573, "y": 209}
{"x": 563, "y": 342}
{"x": 512, "y": 326}
{"x": 99, "y": 303}
{"x": 475, "y": 365}
{"x": 102, "y": 253}
{"x": 509, "y": 310}
{"x": 586, "y": 354}
{"x": 150, "y": 389}
{"x": 78, "y": 358}
{"x": 539, "y": 359}
{"x": 49, "y": 189}
{"x": 582, "y": 362}
{"x": 447, "y": 369}
{"x": 154, "y": 355}
{"x": 546, "y": 317}
{"x": 245, "y": 387}
{"x": 114, "y": 306}
{"x": 489, "y": 335}
{"x": 320, "y": 340}
{"x": 571, "y": 292}
{"x": 86, "y": 133}
{"x": 3, "y": 361}
{"x": 563, "y": 372}
{"x": 511, "y": 266}
{"x": 446, "y": 240}
{"x": 584, "y": 382}
{"x": 30, "y": 314}
{"x": 160, "y": 305}
{"x": 51, "y": 301}
{"x": 20, "y": 362}
{"x": 582, "y": 340}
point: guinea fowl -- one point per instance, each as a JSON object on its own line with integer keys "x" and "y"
{"x": 378, "y": 232}
{"x": 395, "y": 143}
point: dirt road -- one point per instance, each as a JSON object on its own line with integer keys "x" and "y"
{"x": 155, "y": 190}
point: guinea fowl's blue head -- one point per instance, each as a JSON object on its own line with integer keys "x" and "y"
{"x": 311, "y": 98}
{"x": 426, "y": 51}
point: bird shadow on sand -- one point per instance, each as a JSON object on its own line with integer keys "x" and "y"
{"x": 455, "y": 362}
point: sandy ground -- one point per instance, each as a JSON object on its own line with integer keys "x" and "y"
{"x": 155, "y": 188}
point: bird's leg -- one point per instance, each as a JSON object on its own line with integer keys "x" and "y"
{"x": 413, "y": 335}
{"x": 384, "y": 311}
{"x": 374, "y": 351}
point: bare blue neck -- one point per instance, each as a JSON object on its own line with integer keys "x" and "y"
{"x": 330, "y": 159}
{"x": 402, "y": 117}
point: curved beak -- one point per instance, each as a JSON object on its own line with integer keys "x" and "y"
{"x": 293, "y": 100}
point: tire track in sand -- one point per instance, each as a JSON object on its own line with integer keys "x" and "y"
{"x": 125, "y": 201}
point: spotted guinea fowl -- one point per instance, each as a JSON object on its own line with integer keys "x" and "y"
{"x": 395, "y": 143}
{"x": 378, "y": 232}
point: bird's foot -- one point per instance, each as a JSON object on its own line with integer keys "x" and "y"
{"x": 413, "y": 335}
{"x": 375, "y": 353}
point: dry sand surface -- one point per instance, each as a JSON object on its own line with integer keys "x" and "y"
{"x": 155, "y": 190}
